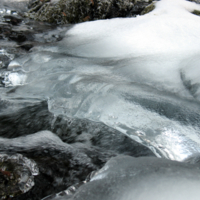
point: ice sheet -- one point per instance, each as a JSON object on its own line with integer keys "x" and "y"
{"x": 139, "y": 75}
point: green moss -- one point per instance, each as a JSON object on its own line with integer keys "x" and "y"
{"x": 196, "y": 12}
{"x": 148, "y": 9}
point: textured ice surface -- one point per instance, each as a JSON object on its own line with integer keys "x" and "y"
{"x": 137, "y": 75}
{"x": 127, "y": 178}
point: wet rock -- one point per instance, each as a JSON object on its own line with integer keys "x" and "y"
{"x": 60, "y": 164}
{"x": 66, "y": 194}
{"x": 5, "y": 29}
{"x": 74, "y": 11}
{"x": 85, "y": 146}
{"x": 98, "y": 136}
{"x": 5, "y": 58}
{"x": 18, "y": 35}
{"x": 14, "y": 20}
{"x": 25, "y": 121}
{"x": 36, "y": 117}
{"x": 16, "y": 175}
{"x": 27, "y": 46}
{"x": 8, "y": 32}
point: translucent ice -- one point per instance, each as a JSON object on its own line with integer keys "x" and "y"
{"x": 138, "y": 75}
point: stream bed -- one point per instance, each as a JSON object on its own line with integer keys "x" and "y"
{"x": 79, "y": 103}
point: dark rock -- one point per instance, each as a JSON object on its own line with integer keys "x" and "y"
{"x": 28, "y": 120}
{"x": 60, "y": 164}
{"x": 25, "y": 32}
{"x": 35, "y": 118}
{"x": 17, "y": 36}
{"x": 27, "y": 46}
{"x": 5, "y": 29}
{"x": 14, "y": 20}
{"x": 139, "y": 6}
{"x": 5, "y": 58}
{"x": 196, "y": 1}
{"x": 90, "y": 146}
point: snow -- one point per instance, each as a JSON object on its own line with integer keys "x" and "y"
{"x": 158, "y": 43}
{"x": 169, "y": 28}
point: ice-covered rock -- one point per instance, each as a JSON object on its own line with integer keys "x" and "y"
{"x": 16, "y": 174}
{"x": 93, "y": 138}
{"x": 62, "y": 164}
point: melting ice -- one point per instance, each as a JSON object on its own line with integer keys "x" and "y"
{"x": 139, "y": 75}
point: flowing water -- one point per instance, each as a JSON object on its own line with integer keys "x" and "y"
{"x": 138, "y": 76}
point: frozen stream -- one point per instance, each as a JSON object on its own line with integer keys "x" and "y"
{"x": 137, "y": 75}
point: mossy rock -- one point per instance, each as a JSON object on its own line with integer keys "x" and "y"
{"x": 196, "y": 1}
{"x": 76, "y": 11}
{"x": 62, "y": 12}
{"x": 196, "y": 12}
{"x": 149, "y": 8}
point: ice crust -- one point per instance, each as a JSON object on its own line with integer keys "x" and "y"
{"x": 139, "y": 75}
{"x": 141, "y": 178}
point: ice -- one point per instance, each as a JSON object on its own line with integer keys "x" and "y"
{"x": 13, "y": 78}
{"x": 21, "y": 172}
{"x": 39, "y": 140}
{"x": 127, "y": 178}
{"x": 137, "y": 75}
